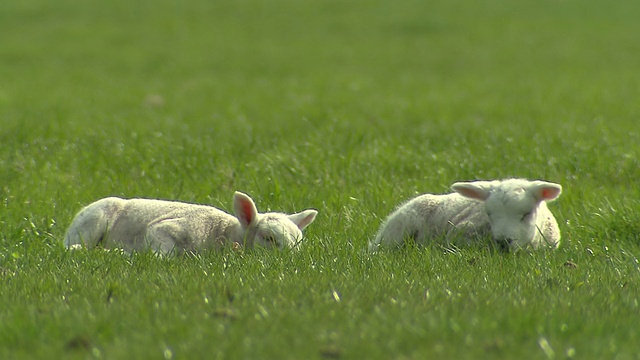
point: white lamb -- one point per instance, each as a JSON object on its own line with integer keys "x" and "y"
{"x": 174, "y": 227}
{"x": 514, "y": 212}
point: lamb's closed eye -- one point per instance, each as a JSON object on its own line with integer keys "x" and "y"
{"x": 270, "y": 239}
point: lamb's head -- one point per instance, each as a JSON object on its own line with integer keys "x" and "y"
{"x": 270, "y": 230}
{"x": 514, "y": 208}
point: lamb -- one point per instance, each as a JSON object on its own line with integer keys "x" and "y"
{"x": 169, "y": 227}
{"x": 513, "y": 211}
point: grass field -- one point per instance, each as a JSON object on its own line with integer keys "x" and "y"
{"x": 348, "y": 107}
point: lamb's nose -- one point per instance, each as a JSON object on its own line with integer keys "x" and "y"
{"x": 503, "y": 244}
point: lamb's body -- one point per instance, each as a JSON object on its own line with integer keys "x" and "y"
{"x": 176, "y": 227}
{"x": 429, "y": 217}
{"x": 521, "y": 218}
{"x": 139, "y": 224}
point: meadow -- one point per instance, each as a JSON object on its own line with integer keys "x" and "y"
{"x": 348, "y": 107}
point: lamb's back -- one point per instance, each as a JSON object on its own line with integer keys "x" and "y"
{"x": 199, "y": 223}
{"x": 442, "y": 215}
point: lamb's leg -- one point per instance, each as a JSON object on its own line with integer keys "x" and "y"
{"x": 393, "y": 233}
{"x": 92, "y": 223}
{"x": 167, "y": 237}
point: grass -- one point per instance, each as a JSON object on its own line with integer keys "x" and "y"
{"x": 349, "y": 107}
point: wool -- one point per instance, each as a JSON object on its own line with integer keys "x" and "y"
{"x": 167, "y": 227}
{"x": 512, "y": 211}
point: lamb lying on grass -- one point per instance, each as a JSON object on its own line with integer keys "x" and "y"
{"x": 174, "y": 227}
{"x": 514, "y": 212}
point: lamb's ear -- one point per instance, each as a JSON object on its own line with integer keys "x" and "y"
{"x": 245, "y": 209}
{"x": 544, "y": 191}
{"x": 303, "y": 218}
{"x": 479, "y": 190}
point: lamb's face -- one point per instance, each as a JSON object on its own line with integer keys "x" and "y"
{"x": 512, "y": 206}
{"x": 512, "y": 214}
{"x": 270, "y": 230}
{"x": 276, "y": 231}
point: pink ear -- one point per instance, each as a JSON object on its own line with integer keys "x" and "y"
{"x": 245, "y": 209}
{"x": 478, "y": 190}
{"x": 304, "y": 218}
{"x": 545, "y": 191}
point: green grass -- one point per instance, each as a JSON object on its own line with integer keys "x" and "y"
{"x": 349, "y": 107}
